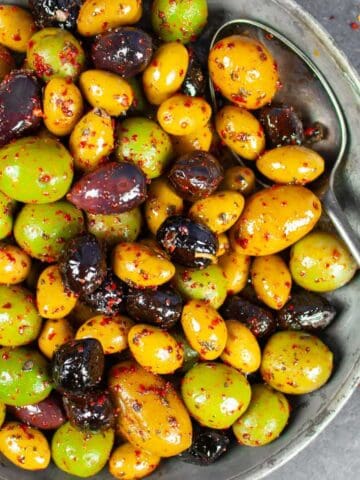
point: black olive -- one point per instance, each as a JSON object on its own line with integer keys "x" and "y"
{"x": 258, "y": 319}
{"x": 125, "y": 51}
{"x": 194, "y": 83}
{"x": 189, "y": 243}
{"x": 161, "y": 307}
{"x": 282, "y": 125}
{"x": 306, "y": 311}
{"x": 78, "y": 366}
{"x": 109, "y": 297}
{"x": 207, "y": 447}
{"x": 93, "y": 411}
{"x": 82, "y": 264}
{"x": 55, "y": 13}
{"x": 196, "y": 175}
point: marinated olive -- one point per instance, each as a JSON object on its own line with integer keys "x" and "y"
{"x": 189, "y": 243}
{"x": 296, "y": 362}
{"x": 78, "y": 365}
{"x": 224, "y": 244}
{"x": 109, "y": 297}
{"x": 15, "y": 264}
{"x": 46, "y": 415}
{"x": 196, "y": 175}
{"x": 161, "y": 307}
{"x": 7, "y": 62}
{"x": 207, "y": 446}
{"x": 306, "y": 311}
{"x": 20, "y": 100}
{"x": 265, "y": 419}
{"x": 235, "y": 267}
{"x": 215, "y": 394}
{"x": 321, "y": 262}
{"x": 55, "y": 13}
{"x": 128, "y": 462}
{"x": 125, "y": 51}
{"x": 6, "y": 220}
{"x": 259, "y": 320}
{"x": 194, "y": 83}
{"x": 282, "y": 125}
{"x": 55, "y": 332}
{"x": 191, "y": 356}
{"x": 240, "y": 179}
{"x": 16, "y": 27}
{"x": 115, "y": 188}
{"x": 199, "y": 140}
{"x": 112, "y": 229}
{"x": 244, "y": 71}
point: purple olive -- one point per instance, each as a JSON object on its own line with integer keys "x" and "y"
{"x": 46, "y": 415}
{"x": 282, "y": 125}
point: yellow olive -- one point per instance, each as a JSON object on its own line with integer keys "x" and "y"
{"x": 244, "y": 71}
{"x": 291, "y": 164}
{"x": 15, "y": 264}
{"x": 97, "y": 16}
{"x": 55, "y": 332}
{"x": 92, "y": 139}
{"x": 240, "y": 131}
{"x": 242, "y": 350}
{"x": 275, "y": 218}
{"x": 224, "y": 244}
{"x": 218, "y": 212}
{"x": 240, "y": 179}
{"x": 7, "y": 63}
{"x": 163, "y": 76}
{"x": 130, "y": 463}
{"x": 204, "y": 329}
{"x": 155, "y": 349}
{"x": 16, "y": 27}
{"x": 106, "y": 90}
{"x": 199, "y": 140}
{"x": 24, "y": 446}
{"x": 162, "y": 202}
{"x": 271, "y": 280}
{"x": 53, "y": 300}
{"x": 183, "y": 115}
{"x": 63, "y": 106}
{"x": 235, "y": 267}
{"x": 139, "y": 265}
{"x": 112, "y": 332}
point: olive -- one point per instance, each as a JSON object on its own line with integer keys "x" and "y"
{"x": 46, "y": 415}
{"x": 20, "y": 105}
{"x": 109, "y": 297}
{"x": 207, "y": 447}
{"x": 92, "y": 411}
{"x": 258, "y": 319}
{"x": 196, "y": 175}
{"x": 191, "y": 356}
{"x": 83, "y": 264}
{"x": 78, "y": 365}
{"x": 161, "y": 307}
{"x": 194, "y": 83}
{"x": 125, "y": 51}
{"x": 189, "y": 243}
{"x": 115, "y": 187}
{"x": 282, "y": 125}
{"x": 306, "y": 311}
{"x": 55, "y": 13}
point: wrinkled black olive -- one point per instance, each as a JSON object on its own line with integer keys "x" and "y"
{"x": 306, "y": 311}
{"x": 282, "y": 125}
{"x": 125, "y": 51}
{"x": 194, "y": 83}
{"x": 207, "y": 447}
{"x": 109, "y": 297}
{"x": 161, "y": 307}
{"x": 78, "y": 366}
{"x": 258, "y": 319}
{"x": 196, "y": 175}
{"x": 55, "y": 13}
{"x": 82, "y": 264}
{"x": 93, "y": 411}
{"x": 189, "y": 243}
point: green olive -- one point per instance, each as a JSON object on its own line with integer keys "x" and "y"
{"x": 112, "y": 229}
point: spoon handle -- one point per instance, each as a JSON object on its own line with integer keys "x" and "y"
{"x": 342, "y": 225}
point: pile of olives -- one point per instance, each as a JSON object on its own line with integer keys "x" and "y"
{"x": 154, "y": 302}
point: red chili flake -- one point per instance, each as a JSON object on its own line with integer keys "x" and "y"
{"x": 105, "y": 321}
{"x": 51, "y": 335}
{"x": 6, "y": 305}
{"x": 181, "y": 73}
{"x": 218, "y": 46}
{"x": 243, "y": 242}
{"x": 25, "y": 429}
{"x": 5, "y": 356}
{"x": 238, "y": 98}
{"x": 45, "y": 178}
{"x": 41, "y": 67}
{"x": 336, "y": 254}
{"x": 16, "y": 37}
{"x": 69, "y": 55}
{"x": 309, "y": 132}
{"x": 354, "y": 25}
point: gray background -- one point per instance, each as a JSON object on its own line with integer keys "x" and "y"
{"x": 335, "y": 454}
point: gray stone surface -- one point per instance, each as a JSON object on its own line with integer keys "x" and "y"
{"x": 335, "y": 454}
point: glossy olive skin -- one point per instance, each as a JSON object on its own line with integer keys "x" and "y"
{"x": 236, "y": 268}
{"x": 55, "y": 332}
{"x": 16, "y": 27}
{"x": 46, "y": 415}
{"x": 7, "y": 62}
{"x": 259, "y": 320}
{"x": 55, "y": 13}
{"x": 15, "y": 264}
{"x": 306, "y": 311}
{"x": 196, "y": 175}
{"x": 78, "y": 365}
{"x": 128, "y": 462}
{"x": 194, "y": 84}
{"x": 207, "y": 447}
{"x": 93, "y": 411}
{"x": 109, "y": 297}
{"x": 161, "y": 307}
{"x": 282, "y": 125}
{"x": 6, "y": 215}
{"x": 188, "y": 243}
{"x": 125, "y": 51}
{"x": 201, "y": 139}
{"x": 20, "y": 100}
{"x": 240, "y": 179}
{"x": 112, "y": 229}
{"x": 116, "y": 188}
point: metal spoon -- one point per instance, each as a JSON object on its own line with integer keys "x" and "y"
{"x": 304, "y": 87}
